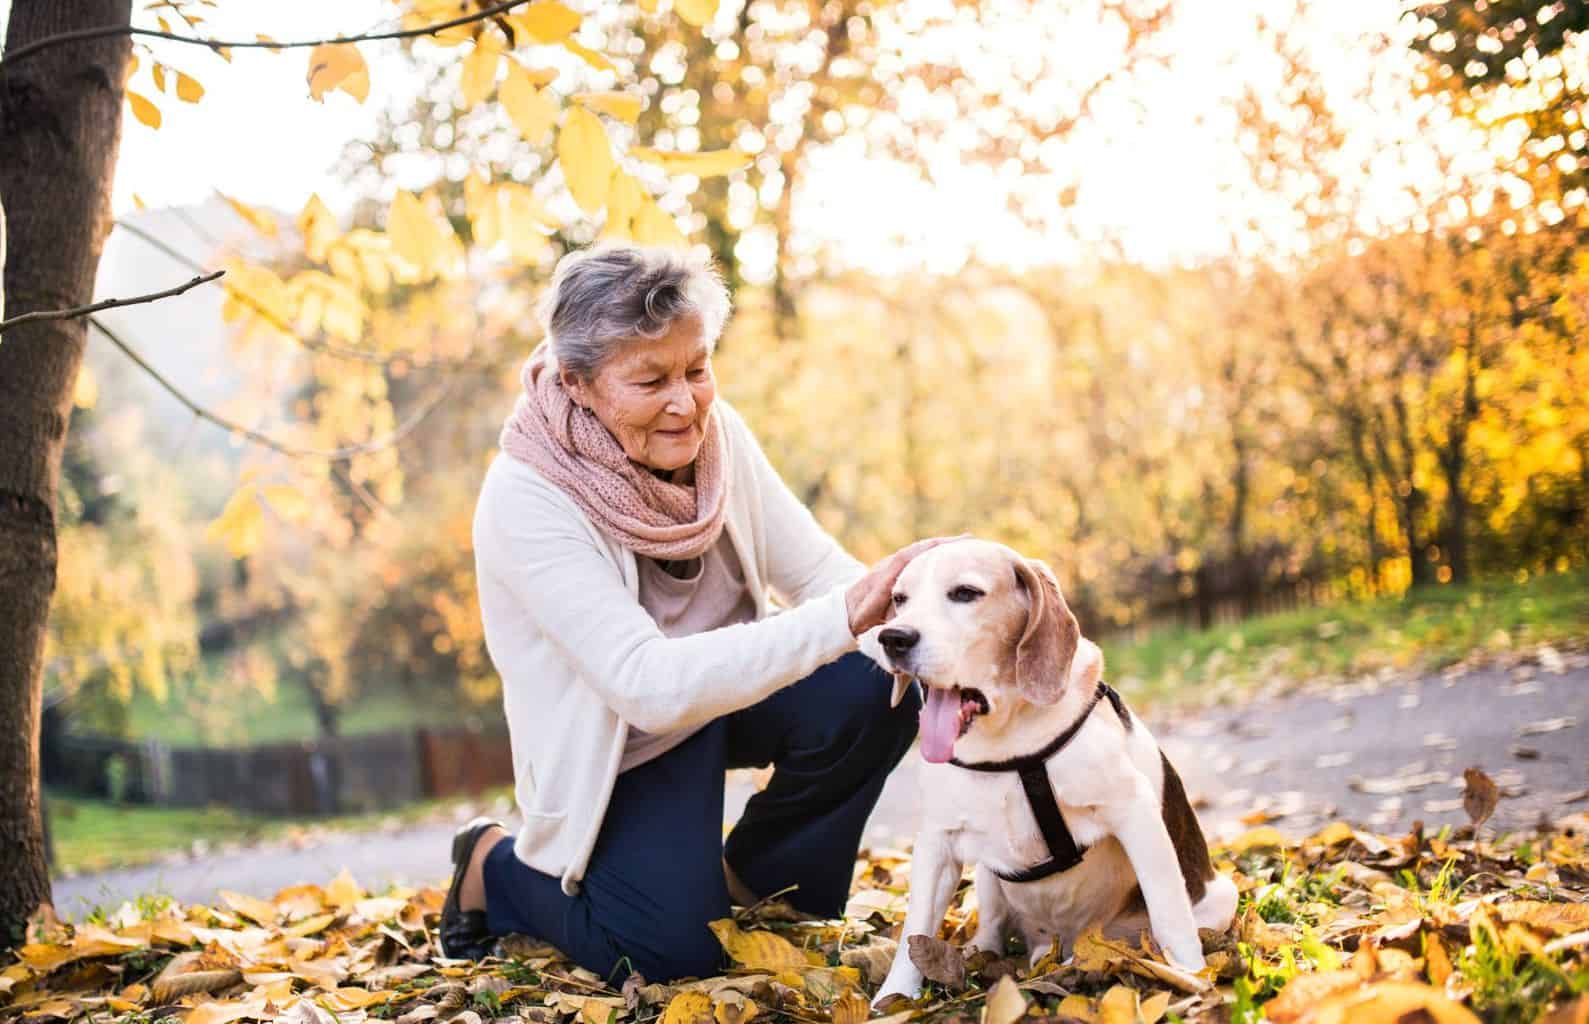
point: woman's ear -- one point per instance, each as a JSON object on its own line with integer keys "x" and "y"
{"x": 576, "y": 388}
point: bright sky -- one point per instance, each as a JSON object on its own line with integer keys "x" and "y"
{"x": 1153, "y": 175}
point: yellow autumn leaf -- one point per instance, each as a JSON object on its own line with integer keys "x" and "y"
{"x": 310, "y": 926}
{"x": 586, "y": 156}
{"x": 1334, "y": 832}
{"x": 850, "y": 1008}
{"x": 240, "y": 526}
{"x": 1557, "y": 918}
{"x": 1389, "y": 1002}
{"x": 484, "y": 212}
{"x": 546, "y": 21}
{"x": 625, "y": 196}
{"x": 342, "y": 1000}
{"x": 595, "y": 59}
{"x": 702, "y": 165}
{"x": 524, "y": 221}
{"x": 338, "y": 66}
{"x": 225, "y": 1012}
{"x": 1118, "y": 1006}
{"x": 688, "y": 1008}
{"x": 158, "y": 73}
{"x": 343, "y": 892}
{"x": 291, "y": 505}
{"x": 1259, "y": 838}
{"x": 145, "y": 111}
{"x": 318, "y": 226}
{"x": 479, "y": 72}
{"x": 1153, "y": 1008}
{"x": 412, "y": 231}
{"x": 758, "y": 950}
{"x": 1005, "y": 1003}
{"x": 622, "y": 105}
{"x": 531, "y": 110}
{"x": 86, "y": 392}
{"x": 188, "y": 88}
{"x": 653, "y": 226}
{"x": 261, "y": 221}
{"x": 257, "y": 910}
{"x": 697, "y": 12}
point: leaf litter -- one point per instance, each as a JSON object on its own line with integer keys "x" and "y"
{"x": 1342, "y": 925}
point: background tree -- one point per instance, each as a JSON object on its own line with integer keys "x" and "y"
{"x": 60, "y": 114}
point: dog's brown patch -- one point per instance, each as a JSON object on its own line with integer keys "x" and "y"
{"x": 1191, "y": 849}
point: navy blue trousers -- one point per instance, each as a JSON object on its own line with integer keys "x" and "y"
{"x": 655, "y": 877}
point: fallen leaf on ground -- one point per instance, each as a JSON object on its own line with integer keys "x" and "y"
{"x": 938, "y": 961}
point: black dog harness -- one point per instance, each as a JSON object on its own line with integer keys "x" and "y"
{"x": 1063, "y": 853}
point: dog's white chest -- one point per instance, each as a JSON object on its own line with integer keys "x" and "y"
{"x": 991, "y": 821}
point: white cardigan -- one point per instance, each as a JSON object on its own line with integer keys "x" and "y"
{"x": 580, "y": 660}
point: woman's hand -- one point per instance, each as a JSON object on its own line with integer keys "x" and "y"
{"x": 869, "y": 597}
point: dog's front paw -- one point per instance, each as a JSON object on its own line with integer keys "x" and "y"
{"x": 904, "y": 983}
{"x": 1187, "y": 957}
{"x": 886, "y": 995}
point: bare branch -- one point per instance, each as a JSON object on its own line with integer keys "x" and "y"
{"x": 76, "y": 311}
{"x": 265, "y": 440}
{"x": 252, "y": 303}
{"x": 80, "y": 35}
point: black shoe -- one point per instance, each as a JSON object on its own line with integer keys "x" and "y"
{"x": 463, "y": 933}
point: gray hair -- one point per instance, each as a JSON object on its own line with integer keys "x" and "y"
{"x": 613, "y": 293}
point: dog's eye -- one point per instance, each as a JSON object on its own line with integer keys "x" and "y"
{"x": 899, "y": 600}
{"x": 964, "y": 594}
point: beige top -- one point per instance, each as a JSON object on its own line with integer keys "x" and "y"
{"x": 686, "y": 598}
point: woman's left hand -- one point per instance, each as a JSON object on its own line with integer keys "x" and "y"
{"x": 869, "y": 598}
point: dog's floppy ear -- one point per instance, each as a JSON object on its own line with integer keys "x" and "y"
{"x": 1048, "y": 643}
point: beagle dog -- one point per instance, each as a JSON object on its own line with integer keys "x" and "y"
{"x": 1038, "y": 773}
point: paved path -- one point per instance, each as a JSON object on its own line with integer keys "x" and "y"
{"x": 1381, "y": 755}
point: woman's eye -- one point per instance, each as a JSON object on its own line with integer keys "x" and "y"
{"x": 899, "y": 600}
{"x": 698, "y": 373}
{"x": 964, "y": 595}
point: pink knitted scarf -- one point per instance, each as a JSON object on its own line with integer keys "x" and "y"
{"x": 569, "y": 446}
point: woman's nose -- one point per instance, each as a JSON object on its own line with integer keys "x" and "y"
{"x": 681, "y": 400}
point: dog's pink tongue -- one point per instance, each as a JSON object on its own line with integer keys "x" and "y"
{"x": 940, "y": 724}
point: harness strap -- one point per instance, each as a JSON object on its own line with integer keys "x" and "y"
{"x": 1063, "y": 851}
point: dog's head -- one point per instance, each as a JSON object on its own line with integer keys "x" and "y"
{"x": 986, "y": 631}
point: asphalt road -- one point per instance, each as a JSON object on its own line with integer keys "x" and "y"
{"x": 1380, "y": 755}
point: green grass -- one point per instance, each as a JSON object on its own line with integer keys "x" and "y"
{"x": 1422, "y": 631}
{"x": 92, "y": 835}
{"x": 96, "y": 835}
{"x": 198, "y": 712}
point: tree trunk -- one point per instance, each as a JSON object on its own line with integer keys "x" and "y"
{"x": 1454, "y": 461}
{"x": 60, "y": 127}
{"x": 1365, "y": 466}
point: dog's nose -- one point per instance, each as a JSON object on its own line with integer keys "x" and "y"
{"x": 898, "y": 640}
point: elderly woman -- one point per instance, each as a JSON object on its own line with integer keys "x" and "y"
{"x": 626, "y": 540}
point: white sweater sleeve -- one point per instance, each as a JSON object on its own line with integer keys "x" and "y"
{"x": 569, "y": 589}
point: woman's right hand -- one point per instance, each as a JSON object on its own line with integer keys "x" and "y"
{"x": 869, "y": 598}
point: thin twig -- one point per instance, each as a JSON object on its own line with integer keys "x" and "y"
{"x": 76, "y": 311}
{"x": 106, "y": 31}
{"x": 368, "y": 500}
{"x": 265, "y": 440}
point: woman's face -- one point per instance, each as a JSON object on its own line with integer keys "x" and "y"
{"x": 654, "y": 395}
